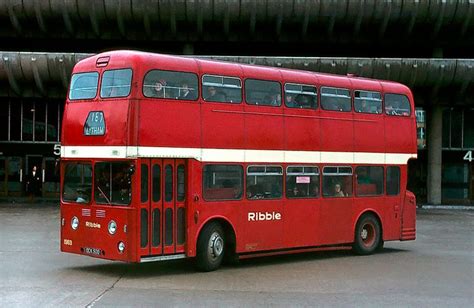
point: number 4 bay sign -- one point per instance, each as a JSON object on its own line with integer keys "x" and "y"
{"x": 468, "y": 156}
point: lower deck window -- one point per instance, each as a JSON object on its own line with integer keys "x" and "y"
{"x": 222, "y": 182}
{"x": 112, "y": 183}
{"x": 264, "y": 182}
{"x": 369, "y": 181}
{"x": 302, "y": 182}
{"x": 337, "y": 181}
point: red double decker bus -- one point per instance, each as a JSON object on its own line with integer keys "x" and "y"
{"x": 167, "y": 157}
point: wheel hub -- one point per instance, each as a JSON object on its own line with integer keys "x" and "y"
{"x": 216, "y": 245}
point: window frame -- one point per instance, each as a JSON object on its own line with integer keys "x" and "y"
{"x": 398, "y": 183}
{"x": 265, "y": 80}
{"x": 242, "y": 178}
{"x": 368, "y": 99}
{"x": 171, "y": 98}
{"x": 351, "y": 195}
{"x": 316, "y": 95}
{"x": 116, "y": 69}
{"x": 356, "y": 182}
{"x": 203, "y": 84}
{"x": 96, "y": 90}
{"x": 318, "y": 174}
{"x": 264, "y": 174}
{"x": 335, "y": 95}
{"x": 113, "y": 202}
{"x": 410, "y": 112}
{"x": 63, "y": 179}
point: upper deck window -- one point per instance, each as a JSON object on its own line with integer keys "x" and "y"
{"x": 397, "y": 105}
{"x": 84, "y": 86}
{"x": 261, "y": 92}
{"x": 301, "y": 96}
{"x": 335, "y": 99}
{"x": 171, "y": 85}
{"x": 222, "y": 89}
{"x": 116, "y": 83}
{"x": 367, "y": 102}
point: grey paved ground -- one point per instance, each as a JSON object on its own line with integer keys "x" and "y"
{"x": 435, "y": 270}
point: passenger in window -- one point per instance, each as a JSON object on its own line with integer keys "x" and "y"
{"x": 338, "y": 192}
{"x": 157, "y": 89}
{"x": 295, "y": 192}
{"x": 363, "y": 106}
{"x": 184, "y": 91}
{"x": 276, "y": 99}
{"x": 82, "y": 196}
{"x": 214, "y": 96}
{"x": 252, "y": 192}
{"x": 315, "y": 190}
{"x": 394, "y": 108}
{"x": 302, "y": 101}
{"x": 390, "y": 109}
{"x": 237, "y": 192}
{"x": 289, "y": 100}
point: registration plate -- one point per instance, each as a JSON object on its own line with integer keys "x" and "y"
{"x": 93, "y": 251}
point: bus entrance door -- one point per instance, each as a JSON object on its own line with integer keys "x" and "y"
{"x": 166, "y": 207}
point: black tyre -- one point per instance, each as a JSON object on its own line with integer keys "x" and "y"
{"x": 367, "y": 237}
{"x": 210, "y": 247}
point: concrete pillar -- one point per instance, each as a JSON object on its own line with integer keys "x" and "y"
{"x": 434, "y": 144}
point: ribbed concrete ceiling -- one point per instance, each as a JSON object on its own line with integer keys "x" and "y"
{"x": 364, "y": 24}
{"x": 47, "y": 74}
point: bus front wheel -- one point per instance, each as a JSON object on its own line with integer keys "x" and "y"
{"x": 210, "y": 247}
{"x": 367, "y": 235}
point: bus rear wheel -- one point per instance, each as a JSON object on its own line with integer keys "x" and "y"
{"x": 367, "y": 237}
{"x": 210, "y": 247}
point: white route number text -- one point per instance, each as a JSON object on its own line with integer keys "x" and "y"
{"x": 468, "y": 156}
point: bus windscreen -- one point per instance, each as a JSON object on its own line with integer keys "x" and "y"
{"x": 84, "y": 86}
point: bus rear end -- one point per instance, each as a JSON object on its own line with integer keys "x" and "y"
{"x": 409, "y": 217}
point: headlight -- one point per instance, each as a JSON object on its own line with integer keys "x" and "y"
{"x": 74, "y": 223}
{"x": 112, "y": 227}
{"x": 121, "y": 247}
